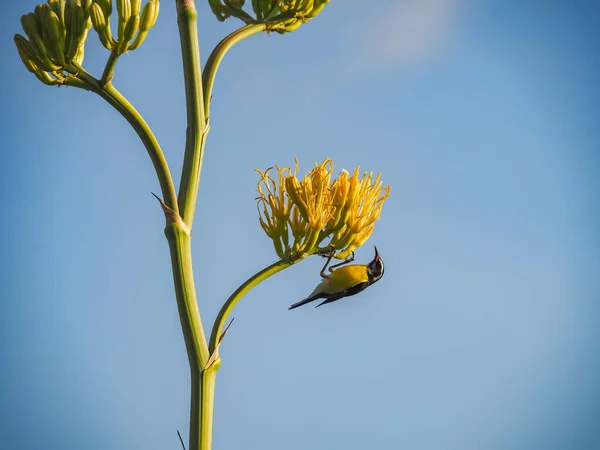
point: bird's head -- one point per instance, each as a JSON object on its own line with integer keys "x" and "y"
{"x": 375, "y": 268}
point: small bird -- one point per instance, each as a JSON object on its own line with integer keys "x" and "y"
{"x": 344, "y": 281}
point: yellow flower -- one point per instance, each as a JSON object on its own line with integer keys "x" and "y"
{"x": 359, "y": 202}
{"x": 316, "y": 208}
{"x": 275, "y": 211}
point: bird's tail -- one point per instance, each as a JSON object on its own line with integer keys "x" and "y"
{"x": 304, "y": 302}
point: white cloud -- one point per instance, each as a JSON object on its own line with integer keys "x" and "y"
{"x": 404, "y": 31}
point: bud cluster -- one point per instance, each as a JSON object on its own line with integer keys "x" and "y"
{"x": 281, "y": 16}
{"x": 132, "y": 27}
{"x": 316, "y": 208}
{"x": 56, "y": 33}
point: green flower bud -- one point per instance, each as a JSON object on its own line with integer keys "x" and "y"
{"x": 76, "y": 32}
{"x": 136, "y": 6}
{"x": 31, "y": 61}
{"x": 124, "y": 10}
{"x": 149, "y": 15}
{"x": 102, "y": 27}
{"x": 290, "y": 26}
{"x": 130, "y": 29}
{"x": 70, "y": 7}
{"x": 237, "y": 4}
{"x": 33, "y": 32}
{"x": 58, "y": 6}
{"x": 316, "y": 9}
{"x": 45, "y": 78}
{"x": 147, "y": 21}
{"x": 26, "y": 52}
{"x": 40, "y": 16}
{"x": 79, "y": 55}
{"x": 98, "y": 19}
{"x": 55, "y": 31}
{"x": 106, "y": 6}
{"x": 265, "y": 9}
{"x": 218, "y": 10}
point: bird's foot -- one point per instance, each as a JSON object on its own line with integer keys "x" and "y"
{"x": 329, "y": 253}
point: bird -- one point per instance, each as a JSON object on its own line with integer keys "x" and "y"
{"x": 344, "y": 281}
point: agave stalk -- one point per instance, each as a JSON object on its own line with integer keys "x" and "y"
{"x": 203, "y": 368}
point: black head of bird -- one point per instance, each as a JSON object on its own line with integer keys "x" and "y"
{"x": 375, "y": 268}
{"x": 344, "y": 279}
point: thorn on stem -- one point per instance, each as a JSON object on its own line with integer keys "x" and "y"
{"x": 225, "y": 331}
{"x": 170, "y": 215}
{"x": 215, "y": 354}
{"x": 168, "y": 211}
{"x": 180, "y": 439}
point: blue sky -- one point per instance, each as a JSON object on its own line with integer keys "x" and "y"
{"x": 483, "y": 333}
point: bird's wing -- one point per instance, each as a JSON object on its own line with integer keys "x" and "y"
{"x": 347, "y": 293}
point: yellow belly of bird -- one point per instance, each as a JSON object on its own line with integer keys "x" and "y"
{"x": 343, "y": 278}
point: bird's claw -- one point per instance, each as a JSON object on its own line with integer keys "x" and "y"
{"x": 329, "y": 253}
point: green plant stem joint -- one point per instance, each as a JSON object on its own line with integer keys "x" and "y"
{"x": 109, "y": 69}
{"x": 202, "y": 381}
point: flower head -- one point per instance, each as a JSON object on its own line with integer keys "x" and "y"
{"x": 316, "y": 208}
{"x": 56, "y": 33}
{"x": 281, "y": 16}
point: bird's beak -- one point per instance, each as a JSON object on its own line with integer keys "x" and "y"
{"x": 376, "y": 253}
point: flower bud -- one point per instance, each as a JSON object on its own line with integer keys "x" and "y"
{"x": 124, "y": 12}
{"x": 130, "y": 29}
{"x": 136, "y": 6}
{"x": 32, "y": 30}
{"x": 56, "y": 33}
{"x": 102, "y": 26}
{"x": 27, "y": 54}
{"x": 106, "y": 6}
{"x": 149, "y": 15}
{"x": 235, "y": 3}
{"x": 58, "y": 7}
{"x": 147, "y": 21}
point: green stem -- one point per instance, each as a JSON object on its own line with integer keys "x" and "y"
{"x": 207, "y": 382}
{"x": 203, "y": 382}
{"x": 238, "y": 294}
{"x": 126, "y": 109}
{"x": 110, "y": 68}
{"x": 181, "y": 258}
{"x": 76, "y": 82}
{"x": 193, "y": 333}
{"x": 217, "y": 55}
{"x": 197, "y": 126}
